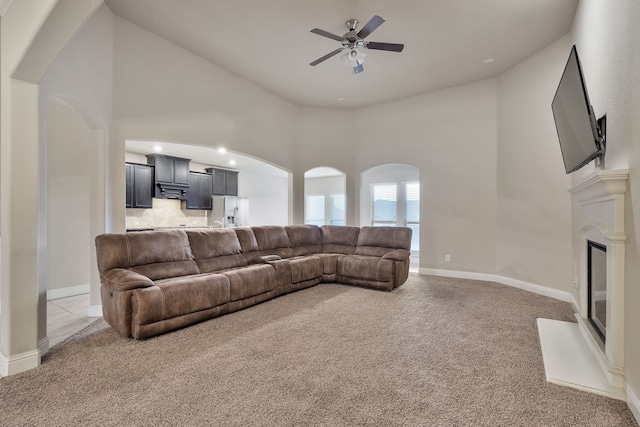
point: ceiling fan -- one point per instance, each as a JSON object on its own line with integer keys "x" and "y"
{"x": 351, "y": 41}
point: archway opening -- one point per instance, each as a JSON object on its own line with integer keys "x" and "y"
{"x": 75, "y": 214}
{"x": 264, "y": 187}
{"x": 390, "y": 196}
{"x": 324, "y": 196}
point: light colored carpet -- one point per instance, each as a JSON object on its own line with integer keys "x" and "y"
{"x": 435, "y": 352}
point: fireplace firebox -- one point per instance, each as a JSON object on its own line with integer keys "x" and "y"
{"x": 597, "y": 288}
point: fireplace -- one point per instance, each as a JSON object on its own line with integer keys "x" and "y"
{"x": 599, "y": 238}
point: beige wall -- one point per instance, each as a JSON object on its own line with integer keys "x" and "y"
{"x": 82, "y": 78}
{"x": 68, "y": 198}
{"x": 450, "y": 136}
{"x": 169, "y": 94}
{"x": 533, "y": 241}
{"x": 607, "y": 36}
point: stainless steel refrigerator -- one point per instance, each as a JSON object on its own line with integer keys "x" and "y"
{"x": 229, "y": 211}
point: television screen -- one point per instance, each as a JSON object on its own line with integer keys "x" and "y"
{"x": 577, "y": 128}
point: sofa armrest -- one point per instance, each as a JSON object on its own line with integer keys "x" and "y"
{"x": 397, "y": 255}
{"x": 121, "y": 279}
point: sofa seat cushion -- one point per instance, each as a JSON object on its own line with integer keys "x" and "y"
{"x": 364, "y": 268}
{"x": 178, "y": 296}
{"x": 305, "y": 268}
{"x": 329, "y": 263}
{"x": 250, "y": 281}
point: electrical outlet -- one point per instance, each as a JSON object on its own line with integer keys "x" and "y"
{"x": 447, "y": 258}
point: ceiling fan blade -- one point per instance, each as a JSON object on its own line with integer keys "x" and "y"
{"x": 373, "y": 23}
{"x": 393, "y": 47}
{"x": 324, "y": 33}
{"x": 327, "y": 56}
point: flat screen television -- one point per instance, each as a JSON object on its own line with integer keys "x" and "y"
{"x": 581, "y": 136}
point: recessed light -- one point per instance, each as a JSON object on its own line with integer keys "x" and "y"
{"x": 488, "y": 60}
{"x": 222, "y": 150}
{"x": 232, "y": 162}
{"x": 157, "y": 148}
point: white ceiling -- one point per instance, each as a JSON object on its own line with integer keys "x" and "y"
{"x": 269, "y": 43}
{"x": 447, "y": 43}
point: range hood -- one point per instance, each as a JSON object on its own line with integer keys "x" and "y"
{"x": 171, "y": 191}
{"x": 171, "y": 176}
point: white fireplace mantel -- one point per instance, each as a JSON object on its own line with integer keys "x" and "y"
{"x": 601, "y": 197}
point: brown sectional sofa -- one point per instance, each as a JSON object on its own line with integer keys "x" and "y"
{"x": 157, "y": 281}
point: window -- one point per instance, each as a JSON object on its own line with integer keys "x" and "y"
{"x": 315, "y": 209}
{"x": 397, "y": 204}
{"x": 338, "y": 215}
{"x": 412, "y": 212}
{"x": 384, "y": 204}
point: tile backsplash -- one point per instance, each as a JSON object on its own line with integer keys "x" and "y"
{"x": 165, "y": 213}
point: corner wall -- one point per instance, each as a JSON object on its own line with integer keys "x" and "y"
{"x": 450, "y": 136}
{"x": 533, "y": 238}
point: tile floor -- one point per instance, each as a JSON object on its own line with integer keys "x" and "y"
{"x": 66, "y": 316}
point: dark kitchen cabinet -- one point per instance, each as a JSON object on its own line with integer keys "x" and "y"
{"x": 225, "y": 182}
{"x": 171, "y": 176}
{"x": 139, "y": 185}
{"x": 232, "y": 183}
{"x": 200, "y": 191}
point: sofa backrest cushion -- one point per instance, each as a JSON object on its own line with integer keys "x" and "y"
{"x": 341, "y": 239}
{"x": 155, "y": 254}
{"x": 216, "y": 249}
{"x": 247, "y": 239}
{"x": 248, "y": 244}
{"x": 305, "y": 239}
{"x": 273, "y": 240}
{"x": 377, "y": 241}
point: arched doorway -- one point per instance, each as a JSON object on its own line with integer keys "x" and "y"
{"x": 324, "y": 196}
{"x": 390, "y": 196}
{"x": 264, "y": 186}
{"x": 75, "y": 214}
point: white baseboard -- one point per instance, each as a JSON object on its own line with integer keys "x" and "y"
{"x": 531, "y": 287}
{"x": 69, "y": 291}
{"x": 95, "y": 311}
{"x": 18, "y": 362}
{"x": 633, "y": 400}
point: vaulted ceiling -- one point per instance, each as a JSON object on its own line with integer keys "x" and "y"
{"x": 447, "y": 42}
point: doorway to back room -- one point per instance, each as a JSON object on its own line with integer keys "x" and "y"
{"x": 390, "y": 196}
